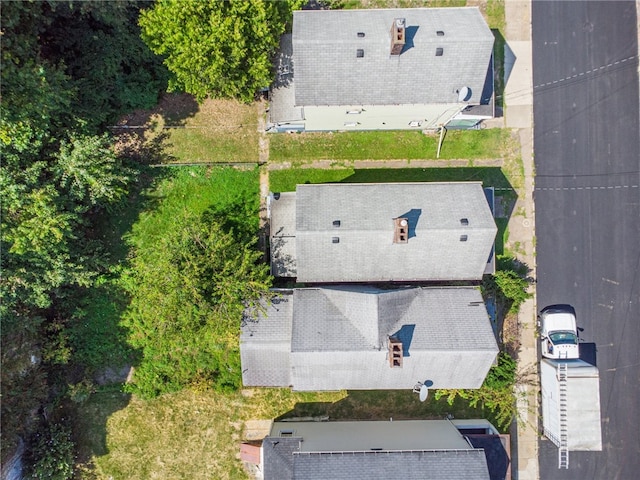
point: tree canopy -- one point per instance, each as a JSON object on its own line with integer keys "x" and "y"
{"x": 218, "y": 48}
{"x": 67, "y": 69}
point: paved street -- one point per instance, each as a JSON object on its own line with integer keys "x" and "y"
{"x": 587, "y": 199}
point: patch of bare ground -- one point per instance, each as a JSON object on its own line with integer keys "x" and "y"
{"x": 511, "y": 335}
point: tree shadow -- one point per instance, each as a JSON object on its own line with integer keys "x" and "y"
{"x": 89, "y": 420}
{"x": 503, "y": 60}
{"x": 174, "y": 108}
{"x": 489, "y": 176}
{"x": 382, "y": 405}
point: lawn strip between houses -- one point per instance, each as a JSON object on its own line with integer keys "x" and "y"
{"x": 387, "y": 145}
{"x": 286, "y": 180}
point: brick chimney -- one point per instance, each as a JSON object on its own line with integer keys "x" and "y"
{"x": 395, "y": 353}
{"x": 400, "y": 230}
{"x": 397, "y": 36}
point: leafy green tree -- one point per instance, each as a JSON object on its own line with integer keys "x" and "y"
{"x": 189, "y": 289}
{"x": 100, "y": 47}
{"x": 90, "y": 171}
{"x": 509, "y": 285}
{"x": 66, "y": 68}
{"x": 218, "y": 48}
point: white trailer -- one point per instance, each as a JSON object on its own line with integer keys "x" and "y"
{"x": 570, "y": 406}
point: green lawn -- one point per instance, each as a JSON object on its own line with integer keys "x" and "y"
{"x": 387, "y": 145}
{"x": 286, "y": 180}
{"x": 194, "y": 189}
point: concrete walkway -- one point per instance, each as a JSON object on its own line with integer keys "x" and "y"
{"x": 518, "y": 98}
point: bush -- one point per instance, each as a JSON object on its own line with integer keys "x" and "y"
{"x": 509, "y": 285}
{"x": 50, "y": 455}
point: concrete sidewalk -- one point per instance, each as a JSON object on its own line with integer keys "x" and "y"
{"x": 518, "y": 100}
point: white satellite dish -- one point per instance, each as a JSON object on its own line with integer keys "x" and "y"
{"x": 424, "y": 393}
{"x": 464, "y": 94}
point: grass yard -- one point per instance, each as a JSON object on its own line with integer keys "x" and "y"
{"x": 195, "y": 189}
{"x": 216, "y": 131}
{"x": 286, "y": 180}
{"x": 387, "y": 145}
{"x": 196, "y": 435}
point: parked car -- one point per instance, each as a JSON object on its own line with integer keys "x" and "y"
{"x": 559, "y": 332}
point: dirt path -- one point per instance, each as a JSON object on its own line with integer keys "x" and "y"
{"x": 396, "y": 163}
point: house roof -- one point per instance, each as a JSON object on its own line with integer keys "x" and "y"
{"x": 408, "y": 465}
{"x": 266, "y": 344}
{"x": 364, "y": 250}
{"x": 277, "y": 455}
{"x": 338, "y": 338}
{"x": 282, "y": 95}
{"x": 337, "y": 450}
{"x": 348, "y": 436}
{"x": 328, "y": 72}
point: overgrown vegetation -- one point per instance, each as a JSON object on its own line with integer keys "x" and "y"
{"x": 67, "y": 70}
{"x": 193, "y": 270}
{"x": 388, "y": 145}
{"x": 509, "y": 285}
{"x": 51, "y": 453}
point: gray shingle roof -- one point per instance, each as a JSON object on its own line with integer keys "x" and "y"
{"x": 327, "y": 71}
{"x": 408, "y": 465}
{"x": 365, "y": 250}
{"x": 284, "y": 461}
{"x": 282, "y": 96}
{"x": 338, "y": 339}
{"x": 283, "y": 234}
{"x": 265, "y": 342}
{"x": 277, "y": 455}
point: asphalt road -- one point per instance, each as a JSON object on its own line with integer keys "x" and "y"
{"x": 587, "y": 199}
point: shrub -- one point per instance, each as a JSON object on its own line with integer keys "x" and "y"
{"x": 50, "y": 455}
{"x": 509, "y": 284}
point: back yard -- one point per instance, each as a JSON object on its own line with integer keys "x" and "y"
{"x": 195, "y": 433}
